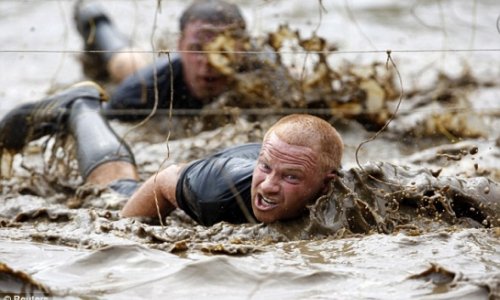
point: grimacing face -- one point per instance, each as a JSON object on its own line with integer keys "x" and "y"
{"x": 285, "y": 179}
{"x": 204, "y": 81}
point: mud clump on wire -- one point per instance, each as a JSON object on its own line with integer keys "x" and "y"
{"x": 263, "y": 79}
{"x": 266, "y": 81}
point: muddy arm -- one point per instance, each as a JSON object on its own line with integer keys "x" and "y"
{"x": 155, "y": 196}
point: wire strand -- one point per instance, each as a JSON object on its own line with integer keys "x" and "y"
{"x": 162, "y": 51}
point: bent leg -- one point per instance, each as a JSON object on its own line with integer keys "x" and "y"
{"x": 113, "y": 49}
{"x": 103, "y": 157}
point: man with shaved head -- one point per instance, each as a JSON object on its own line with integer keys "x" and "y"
{"x": 274, "y": 181}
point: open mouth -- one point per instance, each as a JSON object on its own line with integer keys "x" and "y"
{"x": 263, "y": 203}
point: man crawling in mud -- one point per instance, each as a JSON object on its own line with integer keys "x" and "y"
{"x": 188, "y": 78}
{"x": 275, "y": 180}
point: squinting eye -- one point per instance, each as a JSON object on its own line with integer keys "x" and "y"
{"x": 264, "y": 166}
{"x": 292, "y": 178}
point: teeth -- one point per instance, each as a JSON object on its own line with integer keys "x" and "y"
{"x": 268, "y": 201}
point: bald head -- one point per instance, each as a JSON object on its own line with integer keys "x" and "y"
{"x": 313, "y": 132}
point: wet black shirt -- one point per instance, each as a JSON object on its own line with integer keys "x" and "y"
{"x": 217, "y": 188}
{"x": 134, "y": 98}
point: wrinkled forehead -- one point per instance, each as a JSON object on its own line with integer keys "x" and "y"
{"x": 296, "y": 134}
{"x": 277, "y": 149}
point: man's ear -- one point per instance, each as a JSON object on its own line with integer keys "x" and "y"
{"x": 330, "y": 177}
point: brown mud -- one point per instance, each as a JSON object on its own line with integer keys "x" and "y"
{"x": 414, "y": 214}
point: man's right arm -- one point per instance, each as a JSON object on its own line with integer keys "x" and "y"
{"x": 157, "y": 195}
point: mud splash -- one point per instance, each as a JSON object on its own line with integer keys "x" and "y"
{"x": 385, "y": 198}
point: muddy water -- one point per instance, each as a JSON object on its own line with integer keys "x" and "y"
{"x": 73, "y": 247}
